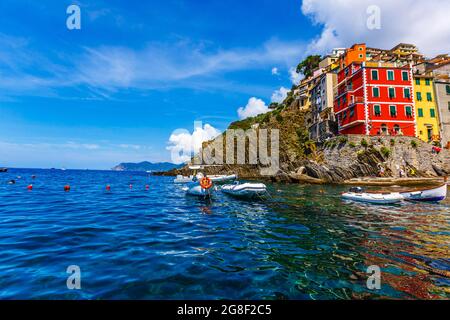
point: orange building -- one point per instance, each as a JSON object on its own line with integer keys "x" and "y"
{"x": 357, "y": 53}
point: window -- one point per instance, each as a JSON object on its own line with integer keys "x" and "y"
{"x": 374, "y": 74}
{"x": 344, "y": 115}
{"x": 420, "y": 113}
{"x": 432, "y": 113}
{"x": 429, "y": 97}
{"x": 447, "y": 88}
{"x": 377, "y": 110}
{"x": 390, "y": 75}
{"x": 391, "y": 92}
{"x": 449, "y": 106}
{"x": 405, "y": 76}
{"x": 419, "y": 96}
{"x": 408, "y": 111}
{"x": 418, "y": 82}
{"x": 407, "y": 93}
{"x": 427, "y": 82}
{"x": 339, "y": 102}
{"x": 393, "y": 111}
{"x": 384, "y": 128}
{"x": 346, "y": 72}
{"x": 376, "y": 92}
{"x": 396, "y": 129}
{"x": 360, "y": 56}
{"x": 352, "y": 112}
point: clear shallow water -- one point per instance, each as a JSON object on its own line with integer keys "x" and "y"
{"x": 306, "y": 243}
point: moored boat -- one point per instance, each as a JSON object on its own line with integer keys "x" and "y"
{"x": 245, "y": 190}
{"x": 222, "y": 178}
{"x": 435, "y": 194}
{"x": 196, "y": 190}
{"x": 358, "y": 194}
{"x": 183, "y": 179}
{"x": 3, "y": 169}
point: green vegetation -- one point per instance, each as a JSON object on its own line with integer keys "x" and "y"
{"x": 343, "y": 140}
{"x": 392, "y": 142}
{"x": 279, "y": 117}
{"x": 307, "y": 146}
{"x": 386, "y": 152}
{"x": 352, "y": 145}
{"x": 364, "y": 143}
{"x": 414, "y": 143}
{"x": 308, "y": 65}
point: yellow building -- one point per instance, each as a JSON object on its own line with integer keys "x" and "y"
{"x": 427, "y": 117}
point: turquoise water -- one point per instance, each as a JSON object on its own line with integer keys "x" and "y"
{"x": 305, "y": 243}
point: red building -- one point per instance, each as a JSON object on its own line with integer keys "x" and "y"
{"x": 375, "y": 98}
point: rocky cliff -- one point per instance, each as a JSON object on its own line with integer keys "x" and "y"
{"x": 337, "y": 160}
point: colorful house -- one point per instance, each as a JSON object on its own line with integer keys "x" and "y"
{"x": 375, "y": 98}
{"x": 427, "y": 115}
{"x": 356, "y": 53}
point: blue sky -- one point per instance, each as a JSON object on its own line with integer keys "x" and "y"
{"x": 115, "y": 90}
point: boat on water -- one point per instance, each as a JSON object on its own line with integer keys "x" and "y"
{"x": 358, "y": 194}
{"x": 435, "y": 194}
{"x": 3, "y": 169}
{"x": 219, "y": 178}
{"x": 246, "y": 190}
{"x": 196, "y": 190}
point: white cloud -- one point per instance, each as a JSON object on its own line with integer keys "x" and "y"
{"x": 254, "y": 107}
{"x": 424, "y": 23}
{"x": 184, "y": 144}
{"x": 280, "y": 94}
{"x": 294, "y": 76}
{"x": 275, "y": 71}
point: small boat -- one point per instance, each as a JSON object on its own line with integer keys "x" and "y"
{"x": 245, "y": 190}
{"x": 432, "y": 195}
{"x": 183, "y": 179}
{"x": 3, "y": 169}
{"x": 358, "y": 194}
{"x": 196, "y": 190}
{"x": 222, "y": 178}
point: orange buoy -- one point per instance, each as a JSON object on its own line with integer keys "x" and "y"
{"x": 66, "y": 188}
{"x": 206, "y": 183}
{"x": 108, "y": 188}
{"x": 30, "y": 187}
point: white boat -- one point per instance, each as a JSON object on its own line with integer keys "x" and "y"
{"x": 183, "y": 179}
{"x": 246, "y": 190}
{"x": 196, "y": 190}
{"x": 432, "y": 195}
{"x": 222, "y": 178}
{"x": 357, "y": 194}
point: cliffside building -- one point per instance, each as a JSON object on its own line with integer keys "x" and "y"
{"x": 427, "y": 115}
{"x": 375, "y": 98}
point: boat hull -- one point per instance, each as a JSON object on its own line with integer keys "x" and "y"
{"x": 246, "y": 190}
{"x": 390, "y": 198}
{"x": 427, "y": 195}
{"x": 222, "y": 178}
{"x": 198, "y": 191}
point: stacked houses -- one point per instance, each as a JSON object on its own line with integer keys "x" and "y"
{"x": 372, "y": 91}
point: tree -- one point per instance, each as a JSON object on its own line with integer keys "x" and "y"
{"x": 308, "y": 65}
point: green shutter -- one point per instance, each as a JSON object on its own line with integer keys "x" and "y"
{"x": 376, "y": 92}
{"x": 393, "y": 110}
{"x": 377, "y": 110}
{"x": 405, "y": 76}
{"x": 407, "y": 93}
{"x": 432, "y": 113}
{"x": 427, "y": 82}
{"x": 408, "y": 110}
{"x": 390, "y": 75}
{"x": 374, "y": 75}
{"x": 429, "y": 98}
{"x": 391, "y": 92}
{"x": 418, "y": 82}
{"x": 448, "y": 89}
{"x": 420, "y": 112}
{"x": 419, "y": 96}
